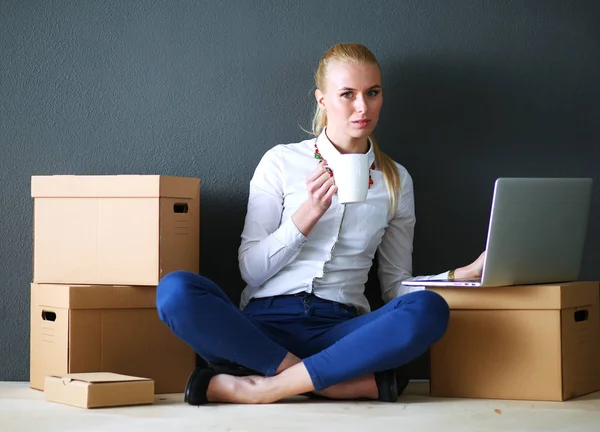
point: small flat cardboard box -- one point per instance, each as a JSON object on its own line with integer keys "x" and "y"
{"x": 102, "y": 389}
{"x": 114, "y": 229}
{"x": 76, "y": 329}
{"x": 534, "y": 342}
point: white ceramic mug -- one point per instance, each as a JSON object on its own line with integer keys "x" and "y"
{"x": 351, "y": 176}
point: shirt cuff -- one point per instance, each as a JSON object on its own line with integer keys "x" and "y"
{"x": 442, "y": 275}
{"x": 289, "y": 235}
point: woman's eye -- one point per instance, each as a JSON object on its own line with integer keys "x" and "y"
{"x": 373, "y": 93}
{"x": 347, "y": 95}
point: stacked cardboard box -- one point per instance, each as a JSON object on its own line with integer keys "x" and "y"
{"x": 531, "y": 342}
{"x": 101, "y": 245}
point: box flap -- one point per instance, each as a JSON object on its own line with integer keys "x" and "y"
{"x": 49, "y": 336}
{"x": 124, "y": 186}
{"x": 578, "y": 294}
{"x": 98, "y": 377}
{"x": 95, "y": 296}
{"x": 179, "y": 187}
{"x": 548, "y": 296}
{"x": 580, "y": 336}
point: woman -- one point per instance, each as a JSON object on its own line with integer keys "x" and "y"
{"x": 304, "y": 325}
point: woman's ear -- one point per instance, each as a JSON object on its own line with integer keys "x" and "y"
{"x": 320, "y": 97}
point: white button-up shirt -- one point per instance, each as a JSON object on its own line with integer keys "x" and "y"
{"x": 334, "y": 259}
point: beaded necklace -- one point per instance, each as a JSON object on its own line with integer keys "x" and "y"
{"x": 319, "y": 157}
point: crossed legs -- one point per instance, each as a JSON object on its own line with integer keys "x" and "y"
{"x": 344, "y": 356}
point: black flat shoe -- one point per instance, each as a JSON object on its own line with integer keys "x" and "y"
{"x": 387, "y": 386}
{"x": 197, "y": 384}
{"x": 401, "y": 383}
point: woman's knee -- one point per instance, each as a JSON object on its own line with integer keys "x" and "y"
{"x": 431, "y": 314}
{"x": 172, "y": 291}
{"x": 436, "y": 313}
{"x": 175, "y": 289}
{"x": 435, "y": 303}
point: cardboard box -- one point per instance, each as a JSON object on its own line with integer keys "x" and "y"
{"x": 535, "y": 342}
{"x": 95, "y": 390}
{"x": 116, "y": 230}
{"x": 77, "y": 329}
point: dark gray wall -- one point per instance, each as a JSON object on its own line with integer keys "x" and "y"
{"x": 473, "y": 90}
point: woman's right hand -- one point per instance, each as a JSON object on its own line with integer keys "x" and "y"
{"x": 321, "y": 187}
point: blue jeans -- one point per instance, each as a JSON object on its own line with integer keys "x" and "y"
{"x": 334, "y": 342}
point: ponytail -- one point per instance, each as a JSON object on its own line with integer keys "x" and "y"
{"x": 391, "y": 176}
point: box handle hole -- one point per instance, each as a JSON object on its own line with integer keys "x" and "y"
{"x": 180, "y": 208}
{"x": 48, "y": 316}
{"x": 581, "y": 315}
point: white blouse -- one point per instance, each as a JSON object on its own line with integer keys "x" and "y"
{"x": 334, "y": 260}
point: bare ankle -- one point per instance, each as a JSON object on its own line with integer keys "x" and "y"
{"x": 258, "y": 389}
{"x": 288, "y": 361}
{"x": 358, "y": 388}
{"x": 233, "y": 389}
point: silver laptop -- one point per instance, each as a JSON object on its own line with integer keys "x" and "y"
{"x": 536, "y": 233}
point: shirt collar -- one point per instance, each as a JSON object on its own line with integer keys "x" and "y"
{"x": 330, "y": 153}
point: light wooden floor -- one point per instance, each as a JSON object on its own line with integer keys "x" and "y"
{"x": 23, "y": 409}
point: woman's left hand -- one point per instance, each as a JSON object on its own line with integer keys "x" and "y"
{"x": 473, "y": 270}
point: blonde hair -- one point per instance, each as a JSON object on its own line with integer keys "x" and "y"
{"x": 356, "y": 53}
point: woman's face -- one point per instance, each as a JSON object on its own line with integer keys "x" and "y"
{"x": 352, "y": 99}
